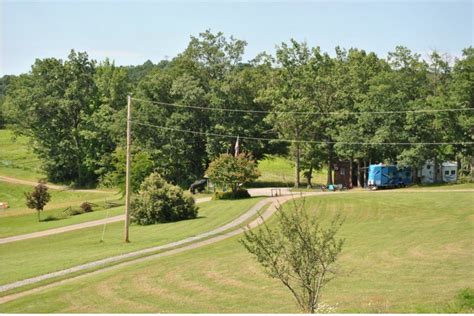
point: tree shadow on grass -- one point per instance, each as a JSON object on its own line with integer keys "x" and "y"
{"x": 51, "y": 218}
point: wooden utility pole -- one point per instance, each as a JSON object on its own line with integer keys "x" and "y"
{"x": 127, "y": 175}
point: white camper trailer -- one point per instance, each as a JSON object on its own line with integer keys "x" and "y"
{"x": 446, "y": 172}
{"x": 450, "y": 171}
{"x": 427, "y": 173}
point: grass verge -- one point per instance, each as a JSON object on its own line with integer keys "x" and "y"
{"x": 404, "y": 252}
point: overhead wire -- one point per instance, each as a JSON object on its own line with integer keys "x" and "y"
{"x": 296, "y": 140}
{"x": 301, "y": 112}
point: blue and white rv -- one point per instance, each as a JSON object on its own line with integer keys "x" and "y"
{"x": 387, "y": 176}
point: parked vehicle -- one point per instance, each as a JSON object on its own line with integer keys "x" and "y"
{"x": 388, "y": 176}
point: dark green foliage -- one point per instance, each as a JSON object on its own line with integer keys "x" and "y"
{"x": 75, "y": 110}
{"x": 137, "y": 73}
{"x": 160, "y": 202}
{"x": 4, "y": 82}
{"x": 68, "y": 109}
{"x": 465, "y": 300}
{"x": 463, "y": 303}
{"x": 239, "y": 194}
{"x": 38, "y": 198}
{"x": 142, "y": 166}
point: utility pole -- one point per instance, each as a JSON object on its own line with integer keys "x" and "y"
{"x": 127, "y": 175}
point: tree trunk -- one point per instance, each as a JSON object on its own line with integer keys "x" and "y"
{"x": 415, "y": 175}
{"x": 329, "y": 165}
{"x": 360, "y": 181}
{"x": 297, "y": 165}
{"x": 365, "y": 173}
{"x": 435, "y": 170}
{"x": 310, "y": 175}
{"x": 39, "y": 215}
{"x": 350, "y": 173}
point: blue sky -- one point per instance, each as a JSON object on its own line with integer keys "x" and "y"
{"x": 130, "y": 32}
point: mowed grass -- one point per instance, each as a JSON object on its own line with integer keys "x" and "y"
{"x": 280, "y": 171}
{"x": 18, "y": 219}
{"x": 18, "y": 225}
{"x": 14, "y": 194}
{"x": 17, "y": 159}
{"x": 404, "y": 252}
{"x": 28, "y": 258}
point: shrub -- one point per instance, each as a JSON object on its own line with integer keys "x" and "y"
{"x": 239, "y": 194}
{"x": 465, "y": 179}
{"x": 86, "y": 207}
{"x": 227, "y": 170}
{"x": 160, "y": 202}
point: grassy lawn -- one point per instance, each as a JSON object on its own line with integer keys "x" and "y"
{"x": 24, "y": 259}
{"x": 18, "y": 219}
{"x": 443, "y": 186}
{"x": 17, "y": 225}
{"x": 404, "y": 253}
{"x": 16, "y": 159}
{"x": 14, "y": 195}
{"x": 280, "y": 171}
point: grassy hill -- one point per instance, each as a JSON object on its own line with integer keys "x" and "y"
{"x": 37, "y": 256}
{"x": 16, "y": 158}
{"x": 405, "y": 252}
{"x": 280, "y": 171}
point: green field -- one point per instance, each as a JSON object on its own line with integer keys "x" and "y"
{"x": 14, "y": 195}
{"x": 16, "y": 158}
{"x": 404, "y": 253}
{"x": 280, "y": 171}
{"x": 24, "y": 259}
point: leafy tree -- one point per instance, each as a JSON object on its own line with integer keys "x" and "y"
{"x": 104, "y": 128}
{"x": 137, "y": 73}
{"x": 358, "y": 70}
{"x": 51, "y": 105}
{"x": 4, "y": 82}
{"x": 299, "y": 252}
{"x": 38, "y": 198}
{"x": 461, "y": 95}
{"x": 232, "y": 171}
{"x": 160, "y": 202}
{"x": 288, "y": 93}
{"x": 142, "y": 166}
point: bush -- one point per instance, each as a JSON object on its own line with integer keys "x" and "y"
{"x": 227, "y": 170}
{"x": 160, "y": 202}
{"x": 239, "y": 194}
{"x": 86, "y": 207}
{"x": 465, "y": 179}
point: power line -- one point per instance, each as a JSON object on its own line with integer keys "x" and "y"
{"x": 300, "y": 112}
{"x": 295, "y": 140}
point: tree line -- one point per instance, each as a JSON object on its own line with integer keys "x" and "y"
{"x": 74, "y": 111}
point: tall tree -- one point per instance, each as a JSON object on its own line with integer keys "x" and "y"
{"x": 288, "y": 93}
{"x": 51, "y": 104}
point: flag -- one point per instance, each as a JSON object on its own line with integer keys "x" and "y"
{"x": 237, "y": 147}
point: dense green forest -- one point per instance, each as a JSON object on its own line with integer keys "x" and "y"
{"x": 333, "y": 107}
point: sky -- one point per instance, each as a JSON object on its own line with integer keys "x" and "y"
{"x": 131, "y": 32}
